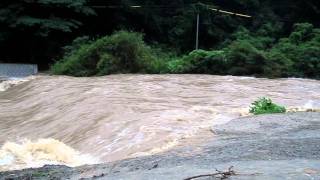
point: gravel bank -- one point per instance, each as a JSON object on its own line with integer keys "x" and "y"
{"x": 282, "y": 146}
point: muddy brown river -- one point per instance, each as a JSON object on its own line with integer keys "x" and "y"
{"x": 76, "y": 121}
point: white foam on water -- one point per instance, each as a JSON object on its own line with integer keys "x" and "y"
{"x": 41, "y": 152}
{"x": 9, "y": 82}
{"x": 309, "y": 105}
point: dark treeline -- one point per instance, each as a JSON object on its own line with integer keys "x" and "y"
{"x": 35, "y": 31}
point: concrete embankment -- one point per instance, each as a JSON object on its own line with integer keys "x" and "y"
{"x": 281, "y": 146}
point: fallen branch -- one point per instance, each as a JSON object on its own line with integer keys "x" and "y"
{"x": 224, "y": 175}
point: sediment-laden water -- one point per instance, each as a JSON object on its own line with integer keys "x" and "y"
{"x": 75, "y": 121}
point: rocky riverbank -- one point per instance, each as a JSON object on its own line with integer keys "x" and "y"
{"x": 282, "y": 146}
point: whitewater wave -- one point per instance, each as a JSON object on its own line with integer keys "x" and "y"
{"x": 6, "y": 84}
{"x": 30, "y": 154}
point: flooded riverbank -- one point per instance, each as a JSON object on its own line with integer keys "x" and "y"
{"x": 120, "y": 116}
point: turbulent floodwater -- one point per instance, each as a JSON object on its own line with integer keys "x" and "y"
{"x": 75, "y": 121}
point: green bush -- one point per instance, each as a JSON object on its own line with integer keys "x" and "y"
{"x": 264, "y": 38}
{"x": 73, "y": 62}
{"x": 266, "y": 106}
{"x": 76, "y": 44}
{"x": 82, "y": 62}
{"x": 159, "y": 64}
{"x": 207, "y": 62}
{"x": 300, "y": 51}
{"x": 278, "y": 65}
{"x": 122, "y": 52}
{"x": 199, "y": 62}
{"x": 302, "y": 32}
{"x": 246, "y": 53}
{"x": 259, "y": 54}
{"x": 179, "y": 66}
{"x": 245, "y": 59}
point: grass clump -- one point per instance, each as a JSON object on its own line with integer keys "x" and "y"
{"x": 265, "y": 105}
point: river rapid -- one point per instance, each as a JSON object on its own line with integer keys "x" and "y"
{"x": 77, "y": 121}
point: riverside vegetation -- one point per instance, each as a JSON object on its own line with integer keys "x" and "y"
{"x": 271, "y": 43}
{"x": 255, "y": 54}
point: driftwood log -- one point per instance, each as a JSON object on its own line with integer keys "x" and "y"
{"x": 218, "y": 174}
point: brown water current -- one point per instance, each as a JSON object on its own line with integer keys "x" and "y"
{"x": 76, "y": 121}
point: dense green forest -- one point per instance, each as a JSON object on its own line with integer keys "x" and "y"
{"x": 95, "y": 37}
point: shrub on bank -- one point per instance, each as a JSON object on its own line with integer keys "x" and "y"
{"x": 245, "y": 59}
{"x": 159, "y": 64}
{"x": 278, "y": 65}
{"x": 122, "y": 52}
{"x": 266, "y": 106}
{"x": 247, "y": 54}
{"x": 302, "y": 48}
{"x": 200, "y": 62}
{"x": 81, "y": 62}
{"x": 298, "y": 55}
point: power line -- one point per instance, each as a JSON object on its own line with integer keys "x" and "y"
{"x": 133, "y": 6}
{"x": 231, "y": 13}
{"x": 216, "y": 10}
{"x": 169, "y": 7}
{"x": 209, "y": 7}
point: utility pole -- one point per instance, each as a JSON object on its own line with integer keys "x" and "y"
{"x": 197, "y": 8}
{"x": 197, "y": 34}
{"x": 216, "y": 10}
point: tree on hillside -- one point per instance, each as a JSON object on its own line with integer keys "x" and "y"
{"x": 27, "y": 23}
{"x": 43, "y": 16}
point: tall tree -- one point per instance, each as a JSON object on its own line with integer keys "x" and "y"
{"x": 28, "y": 23}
